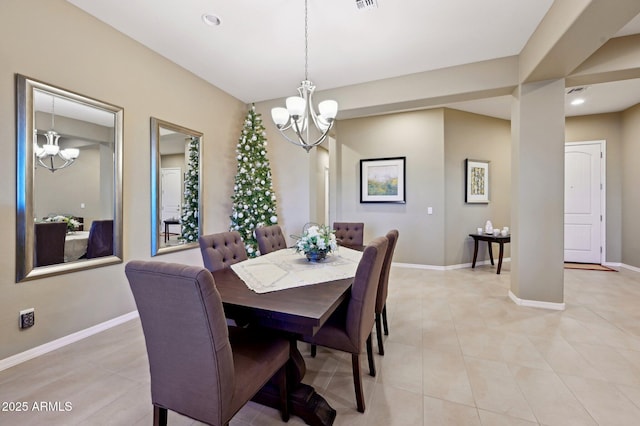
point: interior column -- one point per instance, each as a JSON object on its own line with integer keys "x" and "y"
{"x": 537, "y": 195}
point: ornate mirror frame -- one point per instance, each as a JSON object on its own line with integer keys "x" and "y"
{"x": 25, "y": 171}
{"x": 191, "y": 142}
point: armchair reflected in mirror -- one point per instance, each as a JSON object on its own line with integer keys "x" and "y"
{"x": 69, "y": 171}
{"x": 175, "y": 187}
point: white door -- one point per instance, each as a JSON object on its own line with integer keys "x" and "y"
{"x": 170, "y": 197}
{"x": 583, "y": 202}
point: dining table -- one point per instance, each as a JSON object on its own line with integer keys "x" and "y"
{"x": 75, "y": 245}
{"x": 294, "y": 312}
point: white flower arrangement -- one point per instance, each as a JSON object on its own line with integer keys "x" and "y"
{"x": 72, "y": 224}
{"x": 317, "y": 240}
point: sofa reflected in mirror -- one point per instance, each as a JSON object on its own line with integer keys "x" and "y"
{"x": 69, "y": 170}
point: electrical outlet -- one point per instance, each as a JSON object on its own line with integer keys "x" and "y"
{"x": 27, "y": 318}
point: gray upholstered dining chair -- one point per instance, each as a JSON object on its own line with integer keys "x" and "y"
{"x": 49, "y": 243}
{"x": 270, "y": 238}
{"x": 350, "y": 327}
{"x": 222, "y": 250}
{"x": 383, "y": 289}
{"x": 199, "y": 367}
{"x": 349, "y": 233}
{"x": 100, "y": 242}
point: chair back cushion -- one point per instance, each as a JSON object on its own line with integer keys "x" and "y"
{"x": 383, "y": 287}
{"x": 222, "y": 250}
{"x": 349, "y": 233}
{"x": 100, "y": 241}
{"x": 270, "y": 238}
{"x": 361, "y": 309}
{"x": 185, "y": 330}
{"x": 49, "y": 243}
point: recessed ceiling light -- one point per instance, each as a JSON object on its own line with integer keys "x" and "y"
{"x": 578, "y": 101}
{"x": 211, "y": 20}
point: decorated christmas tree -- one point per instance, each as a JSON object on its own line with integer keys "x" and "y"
{"x": 191, "y": 191}
{"x": 254, "y": 202}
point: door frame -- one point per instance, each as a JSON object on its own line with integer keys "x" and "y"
{"x": 603, "y": 192}
{"x": 181, "y": 187}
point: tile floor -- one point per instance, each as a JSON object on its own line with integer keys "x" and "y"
{"x": 459, "y": 353}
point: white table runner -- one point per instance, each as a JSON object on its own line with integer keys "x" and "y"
{"x": 285, "y": 268}
{"x": 75, "y": 245}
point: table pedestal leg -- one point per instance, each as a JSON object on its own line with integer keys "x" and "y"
{"x": 490, "y": 252}
{"x": 304, "y": 402}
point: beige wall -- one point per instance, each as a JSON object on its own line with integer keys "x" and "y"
{"x": 436, "y": 143}
{"x": 607, "y": 127}
{"x": 630, "y": 192}
{"x": 418, "y": 136}
{"x": 475, "y": 137}
{"x": 65, "y": 47}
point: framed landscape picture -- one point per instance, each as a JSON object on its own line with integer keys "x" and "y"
{"x": 382, "y": 180}
{"x": 476, "y": 181}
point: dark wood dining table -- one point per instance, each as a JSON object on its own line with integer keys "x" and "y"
{"x": 295, "y": 312}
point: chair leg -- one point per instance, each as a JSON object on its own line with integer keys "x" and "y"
{"x": 372, "y": 362}
{"x": 357, "y": 381}
{"x": 379, "y": 334}
{"x": 314, "y": 349}
{"x": 284, "y": 393}
{"x": 384, "y": 320}
{"x": 159, "y": 416}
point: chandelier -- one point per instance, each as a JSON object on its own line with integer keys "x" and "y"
{"x": 49, "y": 155}
{"x": 293, "y": 121}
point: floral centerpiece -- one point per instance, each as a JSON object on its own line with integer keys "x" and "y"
{"x": 72, "y": 224}
{"x": 316, "y": 242}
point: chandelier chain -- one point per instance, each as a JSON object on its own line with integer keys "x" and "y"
{"x": 306, "y": 41}
{"x": 53, "y": 109}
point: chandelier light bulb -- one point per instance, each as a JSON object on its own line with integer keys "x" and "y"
{"x": 296, "y": 106}
{"x": 328, "y": 109}
{"x": 50, "y": 149}
{"x": 69, "y": 154}
{"x": 280, "y": 116}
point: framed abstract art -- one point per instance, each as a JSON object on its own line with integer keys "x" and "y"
{"x": 476, "y": 181}
{"x": 382, "y": 180}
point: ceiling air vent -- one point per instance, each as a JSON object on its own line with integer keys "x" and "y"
{"x": 576, "y": 90}
{"x": 367, "y": 4}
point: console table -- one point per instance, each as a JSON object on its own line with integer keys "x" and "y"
{"x": 489, "y": 238}
{"x": 166, "y": 227}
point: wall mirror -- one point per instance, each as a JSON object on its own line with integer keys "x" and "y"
{"x": 175, "y": 187}
{"x": 68, "y": 181}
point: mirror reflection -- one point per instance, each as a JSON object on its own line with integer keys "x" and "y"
{"x": 175, "y": 177}
{"x": 69, "y": 194}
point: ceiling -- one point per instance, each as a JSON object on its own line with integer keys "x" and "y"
{"x": 257, "y": 53}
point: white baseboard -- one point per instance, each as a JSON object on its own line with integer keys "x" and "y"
{"x": 448, "y": 267}
{"x": 631, "y": 268}
{"x": 536, "y": 303}
{"x": 418, "y": 266}
{"x": 64, "y": 341}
